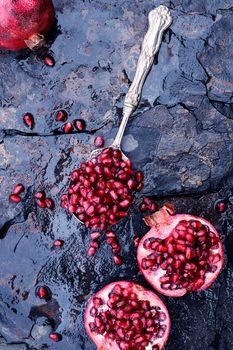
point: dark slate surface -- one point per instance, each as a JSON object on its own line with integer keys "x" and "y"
{"x": 181, "y": 135}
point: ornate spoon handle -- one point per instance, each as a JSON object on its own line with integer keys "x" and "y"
{"x": 159, "y": 20}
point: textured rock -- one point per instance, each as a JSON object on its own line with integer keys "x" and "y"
{"x": 181, "y": 136}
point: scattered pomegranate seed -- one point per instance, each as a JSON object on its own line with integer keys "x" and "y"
{"x": 95, "y": 235}
{"x": 220, "y": 206}
{"x": 49, "y": 203}
{"x": 41, "y": 203}
{"x": 29, "y": 120}
{"x": 136, "y": 240}
{"x": 18, "y": 189}
{"x": 117, "y": 259}
{"x": 15, "y": 198}
{"x": 61, "y": 116}
{"x": 110, "y": 234}
{"x": 91, "y": 251}
{"x": 99, "y": 141}
{"x": 139, "y": 176}
{"x": 49, "y": 61}
{"x": 143, "y": 207}
{"x": 55, "y": 336}
{"x": 43, "y": 292}
{"x": 139, "y": 186}
{"x": 79, "y": 125}
{"x": 147, "y": 204}
{"x": 153, "y": 207}
{"x": 40, "y": 195}
{"x": 68, "y": 127}
{"x": 147, "y": 201}
{"x": 58, "y": 243}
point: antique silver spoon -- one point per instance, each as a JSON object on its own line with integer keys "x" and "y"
{"x": 159, "y": 20}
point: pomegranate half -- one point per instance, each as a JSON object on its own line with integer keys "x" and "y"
{"x": 23, "y": 23}
{"x": 126, "y": 316}
{"x": 180, "y": 253}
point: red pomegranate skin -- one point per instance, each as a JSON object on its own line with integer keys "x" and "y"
{"x": 21, "y": 19}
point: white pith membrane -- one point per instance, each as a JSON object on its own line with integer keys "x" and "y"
{"x": 120, "y": 323}
{"x": 180, "y": 253}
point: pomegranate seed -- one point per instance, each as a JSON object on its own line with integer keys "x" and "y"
{"x": 49, "y": 61}
{"x": 15, "y": 198}
{"x": 99, "y": 141}
{"x": 79, "y": 125}
{"x": 136, "y": 241}
{"x": 61, "y": 116}
{"x": 139, "y": 176}
{"x": 117, "y": 260}
{"x": 56, "y": 337}
{"x": 125, "y": 203}
{"x": 143, "y": 207}
{"x": 122, "y": 214}
{"x": 29, "y": 120}
{"x": 43, "y": 292}
{"x": 114, "y": 195}
{"x": 110, "y": 234}
{"x": 95, "y": 244}
{"x": 91, "y": 210}
{"x": 91, "y": 251}
{"x": 64, "y": 204}
{"x": 153, "y": 207}
{"x": 18, "y": 189}
{"x": 116, "y": 250}
{"x": 220, "y": 207}
{"x": 111, "y": 240}
{"x": 139, "y": 186}
{"x": 40, "y": 195}
{"x": 68, "y": 127}
{"x": 58, "y": 243}
{"x": 131, "y": 184}
{"x": 49, "y": 203}
{"x": 97, "y": 302}
{"x": 95, "y": 235}
{"x": 147, "y": 201}
{"x": 196, "y": 224}
{"x": 41, "y": 203}
{"x": 74, "y": 199}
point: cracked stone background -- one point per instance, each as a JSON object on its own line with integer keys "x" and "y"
{"x": 181, "y": 136}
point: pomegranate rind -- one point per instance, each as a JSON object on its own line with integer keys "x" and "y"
{"x": 21, "y": 20}
{"x": 143, "y": 294}
{"x": 162, "y": 223}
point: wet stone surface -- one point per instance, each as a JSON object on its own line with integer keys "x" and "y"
{"x": 181, "y": 136}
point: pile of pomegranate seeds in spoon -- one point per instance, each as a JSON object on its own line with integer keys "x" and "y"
{"x": 101, "y": 190}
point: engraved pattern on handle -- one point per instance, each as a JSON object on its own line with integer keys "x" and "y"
{"x": 159, "y": 20}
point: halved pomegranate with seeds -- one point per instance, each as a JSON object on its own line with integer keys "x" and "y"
{"x": 126, "y": 316}
{"x": 180, "y": 253}
{"x": 23, "y": 23}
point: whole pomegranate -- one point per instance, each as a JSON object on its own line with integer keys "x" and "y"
{"x": 180, "y": 253}
{"x": 23, "y": 23}
{"x": 125, "y": 316}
